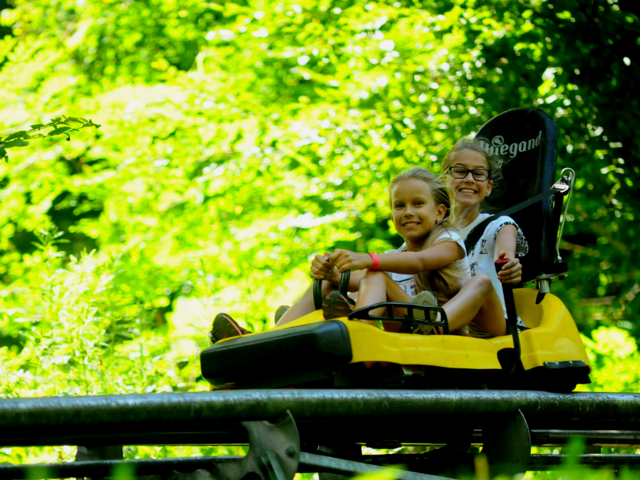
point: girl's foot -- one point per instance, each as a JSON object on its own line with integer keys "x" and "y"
{"x": 336, "y": 305}
{"x": 423, "y": 298}
{"x": 225, "y": 327}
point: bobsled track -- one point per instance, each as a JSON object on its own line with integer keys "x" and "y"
{"x": 291, "y": 431}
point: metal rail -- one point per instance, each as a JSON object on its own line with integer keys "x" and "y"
{"x": 603, "y": 438}
{"x": 186, "y": 411}
{"x": 550, "y": 462}
{"x": 505, "y": 422}
{"x": 309, "y": 463}
{"x": 105, "y": 468}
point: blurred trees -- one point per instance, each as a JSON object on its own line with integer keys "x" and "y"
{"x": 240, "y": 137}
{"x": 577, "y": 60}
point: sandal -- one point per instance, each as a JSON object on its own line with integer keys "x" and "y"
{"x": 336, "y": 305}
{"x": 225, "y": 327}
{"x": 423, "y": 298}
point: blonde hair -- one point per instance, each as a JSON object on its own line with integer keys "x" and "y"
{"x": 445, "y": 282}
{"x": 482, "y": 146}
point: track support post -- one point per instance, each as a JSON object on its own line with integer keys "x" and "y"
{"x": 507, "y": 444}
{"x": 274, "y": 452}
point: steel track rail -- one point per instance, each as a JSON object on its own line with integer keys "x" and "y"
{"x": 403, "y": 415}
{"x": 503, "y": 421}
{"x": 309, "y": 463}
{"x": 602, "y": 438}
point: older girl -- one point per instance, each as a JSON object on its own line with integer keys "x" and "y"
{"x": 472, "y": 172}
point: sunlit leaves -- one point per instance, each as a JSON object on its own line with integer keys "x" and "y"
{"x": 58, "y": 126}
{"x": 616, "y": 361}
{"x": 239, "y": 138}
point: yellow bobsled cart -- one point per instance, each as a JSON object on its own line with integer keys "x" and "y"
{"x": 346, "y": 353}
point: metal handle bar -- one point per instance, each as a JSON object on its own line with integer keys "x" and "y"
{"x": 571, "y": 180}
{"x": 408, "y": 321}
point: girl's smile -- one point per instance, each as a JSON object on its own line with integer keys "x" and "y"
{"x": 470, "y": 192}
{"x": 415, "y": 212}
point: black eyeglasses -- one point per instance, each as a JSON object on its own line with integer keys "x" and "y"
{"x": 479, "y": 174}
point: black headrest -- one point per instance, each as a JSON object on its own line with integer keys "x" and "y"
{"x": 527, "y": 138}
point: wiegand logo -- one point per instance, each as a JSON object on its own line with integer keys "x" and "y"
{"x": 498, "y": 147}
{"x": 497, "y": 141}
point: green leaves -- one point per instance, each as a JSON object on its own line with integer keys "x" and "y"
{"x": 15, "y": 143}
{"x": 19, "y": 139}
{"x": 58, "y": 131}
{"x": 239, "y": 139}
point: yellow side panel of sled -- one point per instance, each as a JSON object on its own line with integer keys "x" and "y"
{"x": 552, "y": 337}
{"x": 449, "y": 351}
{"x": 371, "y": 344}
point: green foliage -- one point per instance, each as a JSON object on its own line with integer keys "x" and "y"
{"x": 572, "y": 470}
{"x": 59, "y": 126}
{"x": 615, "y": 361}
{"x": 76, "y": 328}
{"x": 238, "y": 138}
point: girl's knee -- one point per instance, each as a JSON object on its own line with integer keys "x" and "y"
{"x": 372, "y": 276}
{"x": 482, "y": 283}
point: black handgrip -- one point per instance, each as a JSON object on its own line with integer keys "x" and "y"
{"x": 512, "y": 314}
{"x": 317, "y": 294}
{"x": 317, "y": 289}
{"x": 344, "y": 283}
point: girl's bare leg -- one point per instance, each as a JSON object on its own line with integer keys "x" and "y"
{"x": 304, "y": 305}
{"x": 376, "y": 287}
{"x": 477, "y": 301}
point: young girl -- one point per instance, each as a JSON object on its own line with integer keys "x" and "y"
{"x": 472, "y": 173}
{"x": 434, "y": 253}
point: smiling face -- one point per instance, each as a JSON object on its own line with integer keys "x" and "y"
{"x": 468, "y": 191}
{"x": 415, "y": 212}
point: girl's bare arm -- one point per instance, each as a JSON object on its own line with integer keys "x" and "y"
{"x": 433, "y": 258}
{"x": 506, "y": 248}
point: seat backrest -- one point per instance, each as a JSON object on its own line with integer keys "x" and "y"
{"x": 527, "y": 138}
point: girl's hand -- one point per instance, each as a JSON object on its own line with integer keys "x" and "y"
{"x": 322, "y": 268}
{"x": 511, "y": 271}
{"x": 345, "y": 260}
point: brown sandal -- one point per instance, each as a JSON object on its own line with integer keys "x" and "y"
{"x": 225, "y": 327}
{"x": 336, "y": 305}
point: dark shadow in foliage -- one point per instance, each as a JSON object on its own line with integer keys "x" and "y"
{"x": 24, "y": 241}
{"x": 9, "y": 341}
{"x": 79, "y": 163}
{"x": 66, "y": 211}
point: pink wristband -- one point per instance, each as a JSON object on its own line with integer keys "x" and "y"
{"x": 376, "y": 261}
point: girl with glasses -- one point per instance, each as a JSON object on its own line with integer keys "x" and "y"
{"x": 471, "y": 172}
